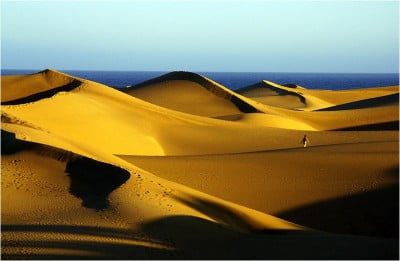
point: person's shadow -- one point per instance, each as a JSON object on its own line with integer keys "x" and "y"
{"x": 92, "y": 181}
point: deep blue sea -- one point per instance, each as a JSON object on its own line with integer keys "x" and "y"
{"x": 235, "y": 80}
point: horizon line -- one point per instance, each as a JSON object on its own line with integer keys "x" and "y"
{"x": 196, "y": 71}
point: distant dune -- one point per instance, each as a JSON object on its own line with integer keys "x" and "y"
{"x": 181, "y": 167}
{"x": 275, "y": 95}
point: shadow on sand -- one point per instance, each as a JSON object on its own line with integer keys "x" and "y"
{"x": 372, "y": 213}
{"x": 10, "y": 144}
{"x": 193, "y": 238}
{"x": 201, "y": 239}
{"x": 92, "y": 181}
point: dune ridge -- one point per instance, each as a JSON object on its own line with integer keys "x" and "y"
{"x": 128, "y": 175}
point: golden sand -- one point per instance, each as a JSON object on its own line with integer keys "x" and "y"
{"x": 181, "y": 167}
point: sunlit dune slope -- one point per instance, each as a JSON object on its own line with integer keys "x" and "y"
{"x": 191, "y": 93}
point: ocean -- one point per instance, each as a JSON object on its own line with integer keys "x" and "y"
{"x": 236, "y": 80}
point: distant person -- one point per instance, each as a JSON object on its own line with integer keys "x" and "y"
{"x": 305, "y": 141}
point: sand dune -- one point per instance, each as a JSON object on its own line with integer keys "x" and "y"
{"x": 299, "y": 98}
{"x": 273, "y": 94}
{"x": 182, "y": 167}
{"x": 191, "y": 93}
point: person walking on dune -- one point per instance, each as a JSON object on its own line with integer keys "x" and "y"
{"x": 305, "y": 141}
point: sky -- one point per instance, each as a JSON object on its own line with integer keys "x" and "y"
{"x": 214, "y": 35}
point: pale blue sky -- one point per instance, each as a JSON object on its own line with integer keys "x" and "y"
{"x": 260, "y": 36}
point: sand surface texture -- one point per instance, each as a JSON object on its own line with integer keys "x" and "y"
{"x": 181, "y": 167}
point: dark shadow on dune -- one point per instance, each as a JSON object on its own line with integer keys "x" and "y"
{"x": 92, "y": 181}
{"x": 290, "y": 85}
{"x": 373, "y": 213}
{"x": 192, "y": 238}
{"x": 44, "y": 94}
{"x": 102, "y": 249}
{"x": 189, "y": 76}
{"x": 393, "y": 172}
{"x": 391, "y": 125}
{"x": 10, "y": 144}
{"x": 243, "y": 106}
{"x": 366, "y": 103}
{"x": 197, "y": 238}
